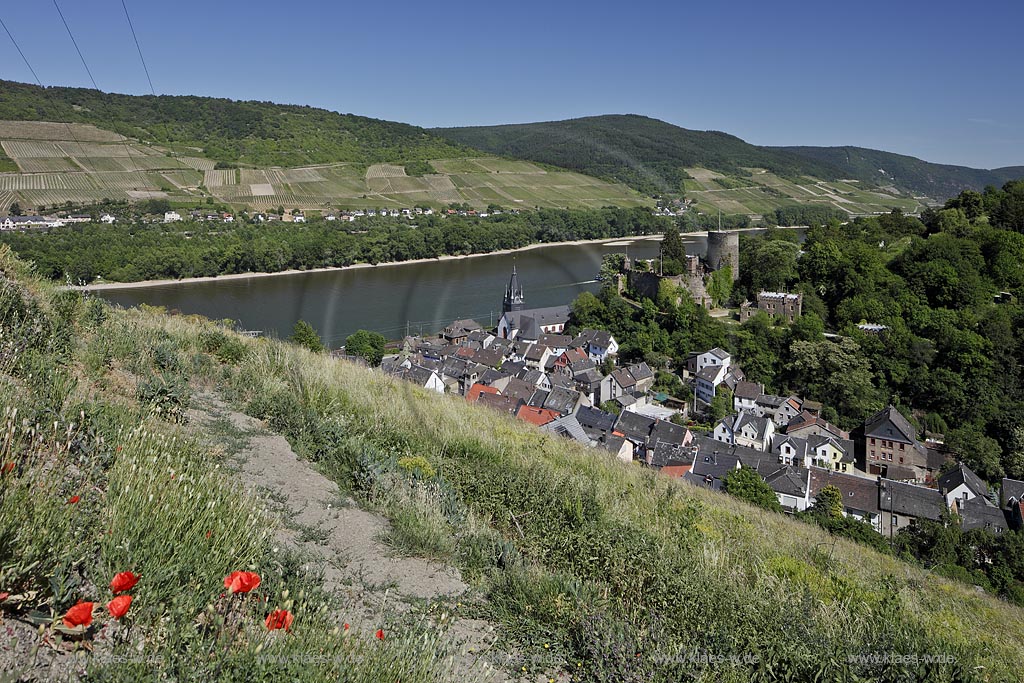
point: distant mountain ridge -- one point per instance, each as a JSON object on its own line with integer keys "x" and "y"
{"x": 651, "y": 155}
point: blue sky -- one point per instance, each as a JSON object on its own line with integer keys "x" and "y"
{"x": 937, "y": 80}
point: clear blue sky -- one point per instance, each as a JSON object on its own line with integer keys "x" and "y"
{"x": 940, "y": 80}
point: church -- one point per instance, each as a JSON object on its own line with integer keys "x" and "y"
{"x": 527, "y": 324}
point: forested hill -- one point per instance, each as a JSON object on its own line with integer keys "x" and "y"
{"x": 652, "y": 155}
{"x": 645, "y": 153}
{"x": 921, "y": 177}
{"x": 229, "y": 131}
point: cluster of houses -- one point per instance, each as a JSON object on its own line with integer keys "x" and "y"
{"x": 571, "y": 386}
{"x": 27, "y": 222}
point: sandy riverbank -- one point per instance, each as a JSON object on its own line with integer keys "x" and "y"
{"x": 101, "y": 286}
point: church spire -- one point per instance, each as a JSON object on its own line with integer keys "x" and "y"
{"x": 513, "y": 293}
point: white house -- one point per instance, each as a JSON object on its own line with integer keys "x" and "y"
{"x": 599, "y": 344}
{"x": 742, "y": 429}
{"x": 961, "y": 485}
{"x": 172, "y": 217}
{"x": 424, "y": 378}
{"x": 715, "y": 357}
{"x": 108, "y": 219}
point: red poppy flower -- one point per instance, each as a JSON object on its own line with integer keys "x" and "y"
{"x": 241, "y": 582}
{"x": 4, "y": 596}
{"x": 346, "y": 627}
{"x": 79, "y": 615}
{"x": 208, "y": 533}
{"x": 280, "y": 618}
{"x": 73, "y": 499}
{"x": 7, "y": 468}
{"x": 118, "y": 607}
{"x": 122, "y": 582}
{"x": 379, "y": 634}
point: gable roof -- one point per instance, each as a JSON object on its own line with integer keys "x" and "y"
{"x": 569, "y": 427}
{"x": 747, "y": 390}
{"x": 634, "y": 426}
{"x": 536, "y": 416}
{"x": 599, "y": 338}
{"x": 806, "y": 420}
{"x": 859, "y": 493}
{"x": 890, "y": 424}
{"x": 976, "y": 514}
{"x": 719, "y": 353}
{"x": 1011, "y": 491}
{"x": 595, "y": 418}
{"x": 477, "y": 390}
{"x": 562, "y": 400}
{"x": 504, "y": 404}
{"x": 517, "y": 388}
{"x": 789, "y": 481}
{"x": 910, "y": 500}
{"x": 963, "y": 475}
{"x": 668, "y": 432}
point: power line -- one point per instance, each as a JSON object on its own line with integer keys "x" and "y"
{"x": 18, "y": 48}
{"x": 39, "y": 82}
{"x": 124, "y": 143}
{"x": 181, "y": 165}
{"x": 138, "y": 47}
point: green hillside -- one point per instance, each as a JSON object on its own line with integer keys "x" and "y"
{"x": 653, "y": 156}
{"x": 61, "y": 145}
{"x": 228, "y": 131}
{"x": 644, "y": 153}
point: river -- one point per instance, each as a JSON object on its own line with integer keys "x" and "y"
{"x": 393, "y": 299}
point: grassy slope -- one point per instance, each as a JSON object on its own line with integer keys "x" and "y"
{"x": 584, "y": 560}
{"x": 78, "y": 420}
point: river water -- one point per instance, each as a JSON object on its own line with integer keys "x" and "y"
{"x": 393, "y": 299}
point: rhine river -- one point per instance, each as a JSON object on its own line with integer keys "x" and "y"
{"x": 418, "y": 297}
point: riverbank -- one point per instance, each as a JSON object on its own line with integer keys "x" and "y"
{"x": 107, "y": 286}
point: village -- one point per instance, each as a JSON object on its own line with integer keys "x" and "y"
{"x": 574, "y": 387}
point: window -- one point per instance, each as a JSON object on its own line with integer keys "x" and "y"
{"x": 901, "y": 446}
{"x": 872, "y": 442}
{"x": 895, "y": 520}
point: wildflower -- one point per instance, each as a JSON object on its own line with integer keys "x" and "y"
{"x": 73, "y": 499}
{"x": 79, "y": 615}
{"x": 118, "y": 607}
{"x": 4, "y": 596}
{"x": 280, "y": 618}
{"x": 7, "y": 468}
{"x": 208, "y": 533}
{"x": 122, "y": 582}
{"x": 379, "y": 634}
{"x": 347, "y": 627}
{"x": 241, "y": 582}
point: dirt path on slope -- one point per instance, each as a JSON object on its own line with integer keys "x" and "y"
{"x": 343, "y": 541}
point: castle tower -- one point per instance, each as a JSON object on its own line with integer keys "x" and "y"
{"x": 513, "y": 294}
{"x": 724, "y": 250}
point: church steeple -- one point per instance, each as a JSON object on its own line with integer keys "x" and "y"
{"x": 513, "y": 293}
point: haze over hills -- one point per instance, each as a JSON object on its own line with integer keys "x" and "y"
{"x": 653, "y": 155}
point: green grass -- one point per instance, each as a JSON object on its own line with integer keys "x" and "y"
{"x": 157, "y": 500}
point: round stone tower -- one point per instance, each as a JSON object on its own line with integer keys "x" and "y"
{"x": 724, "y": 250}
